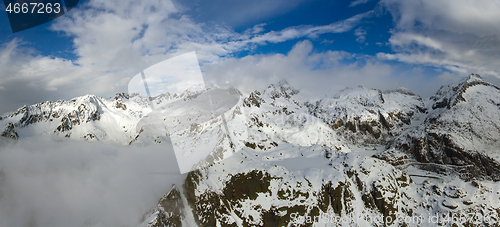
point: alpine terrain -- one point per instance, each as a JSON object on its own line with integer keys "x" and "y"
{"x": 362, "y": 157}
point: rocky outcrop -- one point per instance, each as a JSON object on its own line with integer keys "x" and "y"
{"x": 253, "y": 99}
{"x": 438, "y": 149}
{"x": 10, "y": 132}
{"x": 169, "y": 211}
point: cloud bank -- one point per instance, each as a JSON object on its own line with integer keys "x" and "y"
{"x": 44, "y": 182}
{"x": 320, "y": 74}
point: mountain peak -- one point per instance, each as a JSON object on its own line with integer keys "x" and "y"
{"x": 281, "y": 89}
{"x": 452, "y": 94}
{"x": 121, "y": 95}
{"x": 473, "y": 76}
{"x": 401, "y": 90}
{"x": 360, "y": 94}
{"x": 283, "y": 83}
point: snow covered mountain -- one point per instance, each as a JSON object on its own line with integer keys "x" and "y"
{"x": 87, "y": 117}
{"x": 362, "y": 157}
{"x": 461, "y": 130}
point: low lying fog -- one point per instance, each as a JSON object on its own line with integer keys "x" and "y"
{"x": 45, "y": 182}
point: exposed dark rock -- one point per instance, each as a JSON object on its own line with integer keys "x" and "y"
{"x": 440, "y": 149}
{"x": 170, "y": 210}
{"x": 121, "y": 95}
{"x": 120, "y": 105}
{"x": 207, "y": 207}
{"x": 10, "y": 132}
{"x": 441, "y": 104}
{"x": 447, "y": 141}
{"x": 89, "y": 136}
{"x": 253, "y": 99}
{"x": 393, "y": 157}
{"x": 66, "y": 124}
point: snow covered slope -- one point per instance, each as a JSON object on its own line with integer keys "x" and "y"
{"x": 301, "y": 185}
{"x": 202, "y": 129}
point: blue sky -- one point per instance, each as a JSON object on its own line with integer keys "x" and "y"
{"x": 316, "y": 12}
{"x": 317, "y": 45}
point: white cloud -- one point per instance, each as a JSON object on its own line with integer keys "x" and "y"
{"x": 460, "y": 16}
{"x": 158, "y": 31}
{"x": 358, "y": 2}
{"x": 317, "y": 73}
{"x": 25, "y": 77}
{"x": 360, "y": 33}
{"x": 308, "y": 31}
{"x": 115, "y": 39}
{"x": 458, "y": 35}
{"x": 163, "y": 32}
{"x": 48, "y": 183}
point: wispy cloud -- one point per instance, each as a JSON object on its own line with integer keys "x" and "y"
{"x": 309, "y": 31}
{"x": 358, "y": 2}
{"x": 461, "y": 36}
{"x": 360, "y": 33}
